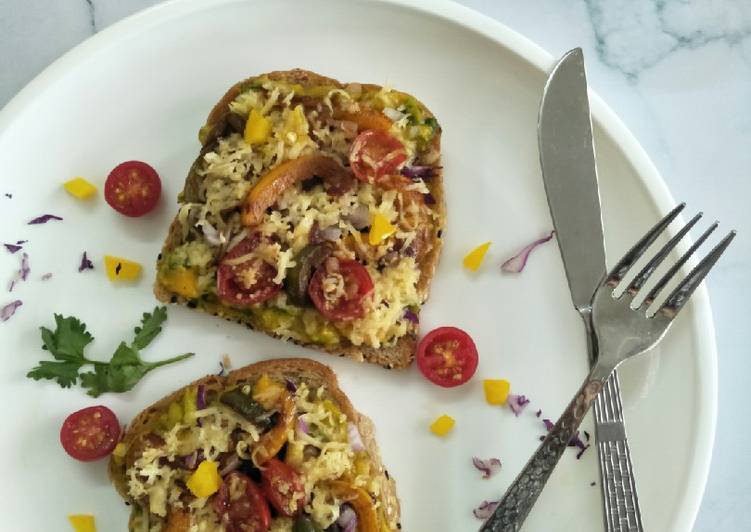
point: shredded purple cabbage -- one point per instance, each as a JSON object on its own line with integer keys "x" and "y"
{"x": 414, "y": 172}
{"x": 190, "y": 461}
{"x": 353, "y": 435}
{"x": 485, "y": 509}
{"x": 12, "y": 248}
{"x": 517, "y": 403}
{"x": 86, "y": 264}
{"x": 47, "y": 276}
{"x": 488, "y": 467}
{"x": 302, "y": 426}
{"x": 43, "y": 219}
{"x": 201, "y": 397}
{"x": 22, "y": 274}
{"x": 291, "y": 386}
{"x": 517, "y": 263}
{"x": 221, "y": 370}
{"x": 347, "y": 519}
{"x": 429, "y": 199}
{"x": 538, "y": 413}
{"x": 575, "y": 440}
{"x": 411, "y": 316}
{"x": 233, "y": 462}
{"x": 8, "y": 310}
{"x": 586, "y": 435}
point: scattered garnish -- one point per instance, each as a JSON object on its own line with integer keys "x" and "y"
{"x": 442, "y": 426}
{"x": 86, "y": 264}
{"x": 79, "y": 188}
{"x": 82, "y": 523}
{"x": 496, "y": 391}
{"x": 120, "y": 269}
{"x": 47, "y": 276}
{"x": 23, "y": 272}
{"x": 43, "y": 219}
{"x": 380, "y": 229}
{"x": 8, "y": 310}
{"x": 355, "y": 440}
{"x": 575, "y": 441}
{"x": 485, "y": 509}
{"x": 447, "y": 356}
{"x": 516, "y": 263}
{"x": 411, "y": 316}
{"x": 133, "y": 188}
{"x": 593, "y": 483}
{"x": 8, "y": 195}
{"x": 488, "y": 467}
{"x": 586, "y": 435}
{"x": 419, "y": 171}
{"x": 517, "y": 403}
{"x": 91, "y": 433}
{"x": 12, "y": 248}
{"x": 68, "y": 341}
{"x": 538, "y": 413}
{"x": 205, "y": 480}
{"x": 474, "y": 258}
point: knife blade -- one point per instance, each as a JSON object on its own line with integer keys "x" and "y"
{"x": 567, "y": 158}
{"x": 569, "y": 171}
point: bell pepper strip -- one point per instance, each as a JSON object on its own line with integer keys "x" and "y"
{"x": 120, "y": 269}
{"x": 266, "y": 391}
{"x": 442, "y": 426}
{"x": 181, "y": 281}
{"x": 257, "y": 128}
{"x": 474, "y": 258}
{"x": 82, "y": 523}
{"x": 271, "y": 186}
{"x": 177, "y": 521}
{"x": 380, "y": 229}
{"x": 205, "y": 480}
{"x": 496, "y": 391}
{"x": 367, "y": 119}
{"x": 361, "y": 502}
{"x": 79, "y": 188}
{"x": 272, "y": 441}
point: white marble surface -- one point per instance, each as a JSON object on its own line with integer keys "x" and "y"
{"x": 678, "y": 72}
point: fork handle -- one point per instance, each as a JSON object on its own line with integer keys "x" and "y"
{"x": 518, "y": 500}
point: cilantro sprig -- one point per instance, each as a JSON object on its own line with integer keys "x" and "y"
{"x": 68, "y": 341}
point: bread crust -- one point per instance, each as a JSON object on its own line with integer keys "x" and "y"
{"x": 313, "y": 373}
{"x": 397, "y": 356}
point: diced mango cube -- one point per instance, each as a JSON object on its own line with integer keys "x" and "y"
{"x": 257, "y": 128}
{"x": 120, "y": 269}
{"x": 380, "y": 229}
{"x": 267, "y": 391}
{"x": 474, "y": 258}
{"x": 181, "y": 281}
{"x": 82, "y": 523}
{"x": 496, "y": 391}
{"x": 442, "y": 426}
{"x": 79, "y": 188}
{"x": 205, "y": 480}
{"x": 119, "y": 452}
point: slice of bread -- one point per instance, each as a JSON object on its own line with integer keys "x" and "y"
{"x": 335, "y": 114}
{"x": 146, "y": 428}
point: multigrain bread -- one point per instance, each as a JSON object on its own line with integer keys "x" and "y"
{"x": 267, "y": 123}
{"x": 328, "y": 444}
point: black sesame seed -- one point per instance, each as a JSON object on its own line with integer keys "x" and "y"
{"x": 118, "y": 268}
{"x": 440, "y": 233}
{"x": 192, "y": 304}
{"x": 173, "y": 299}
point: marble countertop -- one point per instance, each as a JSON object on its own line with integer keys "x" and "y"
{"x": 678, "y": 72}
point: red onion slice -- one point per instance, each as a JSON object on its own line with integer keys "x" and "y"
{"x": 517, "y": 403}
{"x": 485, "y": 509}
{"x": 488, "y": 467}
{"x": 201, "y": 397}
{"x": 353, "y": 435}
{"x": 360, "y": 217}
{"x": 347, "y": 519}
{"x": 23, "y": 272}
{"x": 8, "y": 310}
{"x": 302, "y": 426}
{"x": 233, "y": 462}
{"x": 517, "y": 263}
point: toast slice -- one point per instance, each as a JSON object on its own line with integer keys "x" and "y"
{"x": 302, "y": 184}
{"x": 287, "y": 411}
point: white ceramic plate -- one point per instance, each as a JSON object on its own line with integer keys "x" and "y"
{"x": 141, "y": 89}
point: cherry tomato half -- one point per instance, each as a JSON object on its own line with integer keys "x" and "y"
{"x": 375, "y": 155}
{"x": 447, "y": 356}
{"x": 283, "y": 487}
{"x": 132, "y": 188}
{"x": 248, "y": 282}
{"x": 241, "y": 505}
{"x": 357, "y": 285}
{"x": 90, "y": 434}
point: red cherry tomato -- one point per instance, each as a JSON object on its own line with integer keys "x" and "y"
{"x": 357, "y": 285}
{"x": 375, "y": 155}
{"x": 132, "y": 188}
{"x": 90, "y": 434}
{"x": 241, "y": 506}
{"x": 248, "y": 282}
{"x": 283, "y": 487}
{"x": 447, "y": 356}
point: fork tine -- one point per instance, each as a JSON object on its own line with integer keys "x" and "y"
{"x": 675, "y": 301}
{"x": 628, "y": 260}
{"x": 655, "y": 261}
{"x": 657, "y": 288}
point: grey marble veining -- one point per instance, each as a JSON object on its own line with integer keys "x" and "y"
{"x": 677, "y": 72}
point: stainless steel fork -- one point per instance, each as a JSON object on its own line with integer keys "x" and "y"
{"x": 622, "y": 331}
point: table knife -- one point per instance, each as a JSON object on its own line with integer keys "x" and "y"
{"x": 567, "y": 158}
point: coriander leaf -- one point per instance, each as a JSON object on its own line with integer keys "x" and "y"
{"x": 150, "y": 327}
{"x": 125, "y": 355}
{"x": 65, "y": 373}
{"x": 69, "y": 339}
{"x": 95, "y": 382}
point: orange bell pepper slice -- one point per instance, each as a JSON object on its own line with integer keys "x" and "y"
{"x": 367, "y": 119}
{"x": 272, "y": 441}
{"x": 359, "y": 499}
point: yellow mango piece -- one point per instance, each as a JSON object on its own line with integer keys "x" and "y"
{"x": 205, "y": 480}
{"x": 181, "y": 281}
{"x": 82, "y": 523}
{"x": 79, "y": 188}
{"x": 257, "y": 128}
{"x": 380, "y": 229}
{"x": 267, "y": 391}
{"x": 119, "y": 452}
{"x": 120, "y": 269}
{"x": 496, "y": 391}
{"x": 474, "y": 258}
{"x": 442, "y": 426}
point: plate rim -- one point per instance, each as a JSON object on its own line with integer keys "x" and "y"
{"x": 537, "y": 57}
